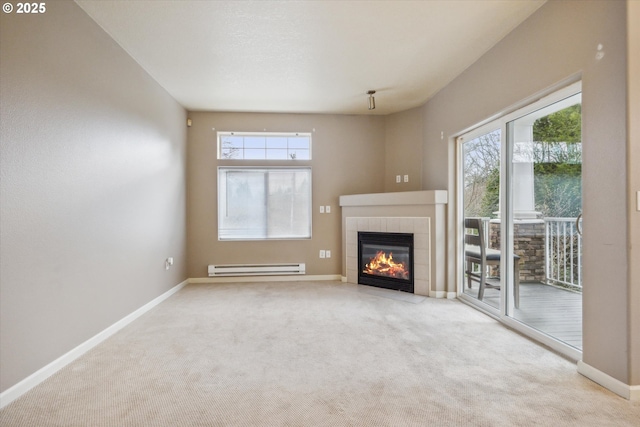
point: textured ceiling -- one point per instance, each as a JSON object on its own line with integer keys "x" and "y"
{"x": 306, "y": 56}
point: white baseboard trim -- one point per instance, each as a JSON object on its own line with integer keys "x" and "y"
{"x": 631, "y": 392}
{"x": 14, "y": 392}
{"x": 442, "y": 294}
{"x": 245, "y": 279}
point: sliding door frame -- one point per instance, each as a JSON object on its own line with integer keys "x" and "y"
{"x": 506, "y": 223}
{"x": 460, "y": 140}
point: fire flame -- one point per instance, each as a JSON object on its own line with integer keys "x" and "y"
{"x": 383, "y": 265}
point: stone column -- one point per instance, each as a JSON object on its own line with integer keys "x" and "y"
{"x": 528, "y": 242}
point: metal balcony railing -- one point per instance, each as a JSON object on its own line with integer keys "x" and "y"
{"x": 563, "y": 251}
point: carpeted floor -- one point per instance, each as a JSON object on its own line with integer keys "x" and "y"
{"x": 317, "y": 354}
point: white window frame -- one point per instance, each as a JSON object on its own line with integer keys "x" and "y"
{"x": 269, "y": 136}
{"x": 228, "y": 235}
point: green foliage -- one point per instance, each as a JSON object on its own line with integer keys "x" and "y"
{"x": 557, "y": 159}
{"x": 558, "y": 169}
{"x": 557, "y": 186}
{"x": 491, "y": 198}
{"x": 558, "y": 189}
{"x": 562, "y": 126}
{"x": 558, "y": 137}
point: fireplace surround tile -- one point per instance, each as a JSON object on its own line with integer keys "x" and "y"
{"x": 428, "y": 215}
{"x": 421, "y": 240}
{"x": 407, "y": 225}
{"x": 393, "y": 225}
{"x": 375, "y": 224}
{"x": 419, "y": 226}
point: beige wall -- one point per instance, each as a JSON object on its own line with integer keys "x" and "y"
{"x": 558, "y": 44}
{"x": 92, "y": 167}
{"x": 93, "y": 175}
{"x": 633, "y": 162}
{"x": 403, "y": 150}
{"x": 348, "y": 158}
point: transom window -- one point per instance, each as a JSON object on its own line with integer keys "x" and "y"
{"x": 264, "y": 146}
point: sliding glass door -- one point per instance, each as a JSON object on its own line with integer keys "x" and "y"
{"x": 545, "y": 150}
{"x": 480, "y": 200}
{"x": 521, "y": 189}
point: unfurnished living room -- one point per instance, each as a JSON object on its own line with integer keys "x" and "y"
{"x": 320, "y": 213}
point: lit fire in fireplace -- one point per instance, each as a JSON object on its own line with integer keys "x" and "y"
{"x": 383, "y": 265}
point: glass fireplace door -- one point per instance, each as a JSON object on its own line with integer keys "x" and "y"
{"x": 385, "y": 260}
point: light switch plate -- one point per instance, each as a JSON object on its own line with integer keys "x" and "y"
{"x": 323, "y": 253}
{"x": 327, "y": 209}
{"x": 321, "y": 209}
{"x": 328, "y": 254}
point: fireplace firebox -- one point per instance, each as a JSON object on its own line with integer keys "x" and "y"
{"x": 385, "y": 260}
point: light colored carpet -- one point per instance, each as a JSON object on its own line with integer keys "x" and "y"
{"x": 317, "y": 354}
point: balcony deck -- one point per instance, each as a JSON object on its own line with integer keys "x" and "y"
{"x": 549, "y": 309}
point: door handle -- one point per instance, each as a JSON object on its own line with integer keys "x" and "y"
{"x": 578, "y": 227}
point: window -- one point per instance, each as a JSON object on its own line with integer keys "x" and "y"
{"x": 264, "y": 203}
{"x": 264, "y": 146}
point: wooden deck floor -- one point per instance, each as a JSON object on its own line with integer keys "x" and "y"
{"x": 554, "y": 311}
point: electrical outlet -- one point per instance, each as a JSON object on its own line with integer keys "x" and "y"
{"x": 398, "y": 179}
{"x": 323, "y": 253}
{"x": 406, "y": 178}
{"x": 327, "y": 209}
{"x": 321, "y": 209}
{"x": 328, "y": 253}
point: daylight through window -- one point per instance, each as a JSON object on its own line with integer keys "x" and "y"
{"x": 264, "y": 203}
{"x": 264, "y": 146}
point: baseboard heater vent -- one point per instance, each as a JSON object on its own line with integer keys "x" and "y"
{"x": 255, "y": 269}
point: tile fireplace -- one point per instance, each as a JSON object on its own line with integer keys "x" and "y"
{"x": 418, "y": 264}
{"x": 421, "y": 213}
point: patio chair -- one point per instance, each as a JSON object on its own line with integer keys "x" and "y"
{"x": 477, "y": 252}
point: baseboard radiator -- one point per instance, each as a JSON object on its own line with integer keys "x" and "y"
{"x": 256, "y": 269}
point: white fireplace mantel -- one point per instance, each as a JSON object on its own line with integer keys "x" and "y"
{"x": 409, "y": 206}
{"x": 406, "y": 198}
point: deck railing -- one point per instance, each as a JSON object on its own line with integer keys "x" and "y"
{"x": 563, "y": 252}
